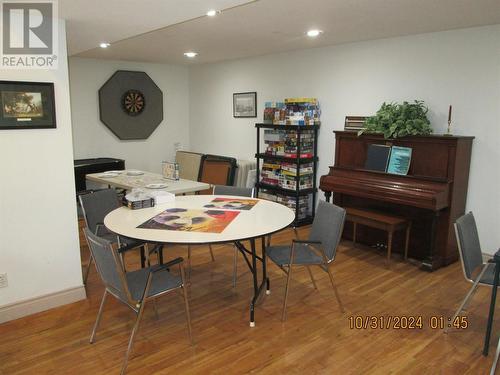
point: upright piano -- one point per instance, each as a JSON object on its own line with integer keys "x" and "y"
{"x": 432, "y": 195}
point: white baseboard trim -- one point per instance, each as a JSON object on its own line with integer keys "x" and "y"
{"x": 34, "y": 305}
{"x": 487, "y": 257}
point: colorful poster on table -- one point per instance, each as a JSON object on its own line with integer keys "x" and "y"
{"x": 232, "y": 203}
{"x": 189, "y": 220}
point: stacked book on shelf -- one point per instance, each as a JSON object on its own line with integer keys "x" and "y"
{"x": 284, "y": 173}
{"x": 285, "y": 143}
{"x": 293, "y": 111}
{"x": 289, "y": 201}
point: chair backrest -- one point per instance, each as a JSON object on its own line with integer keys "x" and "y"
{"x": 468, "y": 244}
{"x": 217, "y": 170}
{"x": 108, "y": 264}
{"x": 233, "y": 190}
{"x": 97, "y": 205}
{"x": 189, "y": 164}
{"x": 251, "y": 178}
{"x": 327, "y": 227}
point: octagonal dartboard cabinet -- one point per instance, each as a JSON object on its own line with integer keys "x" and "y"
{"x": 131, "y": 105}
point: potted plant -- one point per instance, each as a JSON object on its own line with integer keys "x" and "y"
{"x": 396, "y": 120}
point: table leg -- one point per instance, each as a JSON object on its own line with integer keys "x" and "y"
{"x": 252, "y": 266}
{"x": 492, "y": 310}
{"x": 264, "y": 267}
{"x": 143, "y": 256}
{"x": 160, "y": 255}
{"x": 255, "y": 282}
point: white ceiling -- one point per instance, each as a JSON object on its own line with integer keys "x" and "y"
{"x": 90, "y": 22}
{"x": 257, "y": 28}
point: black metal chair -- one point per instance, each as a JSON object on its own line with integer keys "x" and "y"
{"x": 319, "y": 250}
{"x": 475, "y": 270}
{"x": 133, "y": 288}
{"x": 95, "y": 206}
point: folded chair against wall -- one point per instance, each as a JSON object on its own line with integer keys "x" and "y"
{"x": 189, "y": 164}
{"x": 95, "y": 206}
{"x": 133, "y": 288}
{"x": 319, "y": 250}
{"x": 475, "y": 270}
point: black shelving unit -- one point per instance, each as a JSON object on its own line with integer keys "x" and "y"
{"x": 297, "y": 193}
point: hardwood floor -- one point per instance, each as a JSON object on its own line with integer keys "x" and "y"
{"x": 316, "y": 339}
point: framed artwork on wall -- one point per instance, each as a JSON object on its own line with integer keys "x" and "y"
{"x": 244, "y": 104}
{"x": 27, "y": 105}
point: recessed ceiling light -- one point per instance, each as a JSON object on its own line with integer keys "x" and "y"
{"x": 314, "y": 33}
{"x": 104, "y": 45}
{"x": 190, "y": 54}
{"x": 213, "y": 12}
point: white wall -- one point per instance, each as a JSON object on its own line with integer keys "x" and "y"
{"x": 91, "y": 138}
{"x": 39, "y": 247}
{"x": 459, "y": 67}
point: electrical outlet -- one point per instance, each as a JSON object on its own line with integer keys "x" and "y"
{"x": 3, "y": 280}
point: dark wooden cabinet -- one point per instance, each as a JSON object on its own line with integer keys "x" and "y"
{"x": 432, "y": 195}
{"x": 95, "y": 165}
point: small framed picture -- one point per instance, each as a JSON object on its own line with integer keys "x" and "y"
{"x": 27, "y": 105}
{"x": 245, "y": 104}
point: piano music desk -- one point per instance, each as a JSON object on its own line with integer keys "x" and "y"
{"x": 382, "y": 221}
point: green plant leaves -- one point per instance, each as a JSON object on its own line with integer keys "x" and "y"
{"x": 396, "y": 120}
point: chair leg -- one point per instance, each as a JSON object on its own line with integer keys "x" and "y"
{"x": 86, "y": 274}
{"x": 132, "y": 336}
{"x": 235, "y": 266}
{"x": 312, "y": 277}
{"x": 464, "y": 302}
{"x": 186, "y": 304}
{"x": 283, "y": 314}
{"x": 495, "y": 360}
{"x": 99, "y": 314}
{"x": 189, "y": 263}
{"x": 335, "y": 289}
{"x": 211, "y": 253}
{"x": 155, "y": 308}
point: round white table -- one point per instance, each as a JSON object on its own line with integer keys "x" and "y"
{"x": 263, "y": 219}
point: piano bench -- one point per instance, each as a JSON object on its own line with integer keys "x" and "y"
{"x": 382, "y": 221}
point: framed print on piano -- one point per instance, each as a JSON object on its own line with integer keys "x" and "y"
{"x": 27, "y": 105}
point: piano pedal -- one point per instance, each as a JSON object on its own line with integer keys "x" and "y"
{"x": 379, "y": 246}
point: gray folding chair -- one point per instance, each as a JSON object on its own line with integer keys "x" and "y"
{"x": 319, "y": 250}
{"x": 471, "y": 258}
{"x": 95, "y": 206}
{"x": 133, "y": 288}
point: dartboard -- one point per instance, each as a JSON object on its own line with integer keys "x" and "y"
{"x": 133, "y": 102}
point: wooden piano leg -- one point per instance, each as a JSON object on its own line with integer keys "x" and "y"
{"x": 428, "y": 262}
{"x": 328, "y": 195}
